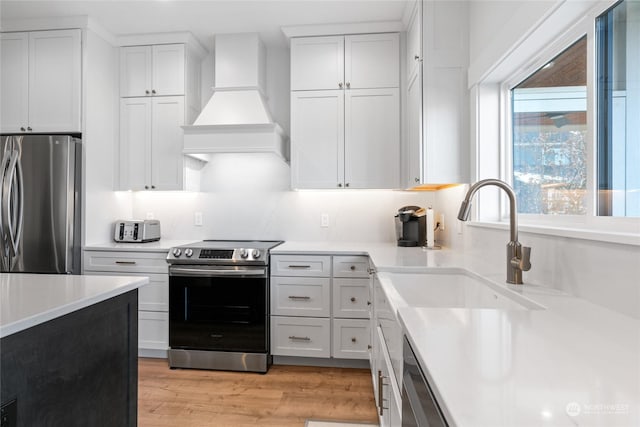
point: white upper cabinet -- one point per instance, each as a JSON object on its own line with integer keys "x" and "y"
{"x": 371, "y": 147}
{"x": 151, "y": 143}
{"x": 437, "y": 144}
{"x": 345, "y": 62}
{"x": 41, "y": 81}
{"x": 317, "y": 63}
{"x": 345, "y": 111}
{"x": 157, "y": 70}
{"x": 14, "y": 74}
{"x": 372, "y": 61}
{"x": 317, "y": 127}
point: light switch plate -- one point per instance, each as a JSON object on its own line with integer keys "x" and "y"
{"x": 324, "y": 220}
{"x": 197, "y": 219}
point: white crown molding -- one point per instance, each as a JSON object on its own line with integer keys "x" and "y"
{"x": 164, "y": 38}
{"x": 39, "y": 24}
{"x": 338, "y": 29}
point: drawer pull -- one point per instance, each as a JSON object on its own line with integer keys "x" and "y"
{"x": 353, "y": 299}
{"x": 353, "y": 339}
{"x": 294, "y": 297}
{"x": 126, "y": 262}
{"x": 368, "y": 302}
{"x": 293, "y": 337}
{"x": 353, "y": 268}
{"x": 299, "y": 266}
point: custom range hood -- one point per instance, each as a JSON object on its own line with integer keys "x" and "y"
{"x": 236, "y": 119}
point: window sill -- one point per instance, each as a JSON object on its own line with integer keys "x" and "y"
{"x": 621, "y": 238}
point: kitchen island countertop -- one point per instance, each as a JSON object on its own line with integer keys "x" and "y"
{"x": 31, "y": 299}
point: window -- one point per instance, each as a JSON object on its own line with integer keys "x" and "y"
{"x": 618, "y": 89}
{"x": 551, "y": 139}
{"x": 550, "y": 135}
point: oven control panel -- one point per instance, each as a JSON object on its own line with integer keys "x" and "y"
{"x": 215, "y": 256}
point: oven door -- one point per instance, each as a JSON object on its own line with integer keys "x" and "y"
{"x": 222, "y": 308}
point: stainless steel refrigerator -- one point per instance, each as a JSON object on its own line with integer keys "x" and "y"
{"x": 40, "y": 202}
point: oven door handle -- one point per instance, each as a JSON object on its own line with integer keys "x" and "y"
{"x": 216, "y": 272}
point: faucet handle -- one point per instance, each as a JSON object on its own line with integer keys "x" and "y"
{"x": 524, "y": 261}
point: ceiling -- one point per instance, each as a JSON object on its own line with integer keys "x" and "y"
{"x": 204, "y": 18}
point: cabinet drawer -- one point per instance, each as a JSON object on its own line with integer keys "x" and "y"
{"x": 301, "y": 265}
{"x": 301, "y": 296}
{"x": 153, "y": 330}
{"x": 154, "y": 296}
{"x": 300, "y": 336}
{"x": 351, "y": 266}
{"x": 136, "y": 262}
{"x": 351, "y": 338}
{"x": 351, "y": 298}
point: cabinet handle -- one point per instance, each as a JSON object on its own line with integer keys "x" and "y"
{"x": 353, "y": 268}
{"x": 368, "y": 302}
{"x": 347, "y": 184}
{"x": 299, "y": 266}
{"x": 340, "y": 85}
{"x": 29, "y": 128}
{"x": 153, "y": 91}
{"x": 340, "y": 184}
{"x": 416, "y": 179}
{"x": 146, "y": 187}
{"x": 368, "y": 346}
{"x": 146, "y": 92}
{"x": 380, "y": 393}
{"x": 417, "y": 57}
{"x": 22, "y": 129}
{"x": 294, "y": 297}
{"x": 293, "y": 337}
{"x": 354, "y": 340}
{"x": 353, "y": 299}
{"x": 153, "y": 187}
{"x": 348, "y": 85}
{"x": 126, "y": 262}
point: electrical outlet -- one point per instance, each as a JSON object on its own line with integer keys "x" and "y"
{"x": 150, "y": 215}
{"x": 324, "y": 220}
{"x": 197, "y": 219}
{"x": 441, "y": 221}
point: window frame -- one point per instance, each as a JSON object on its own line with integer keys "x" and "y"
{"x": 590, "y": 226}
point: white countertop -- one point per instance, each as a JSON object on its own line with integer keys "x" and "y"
{"x": 495, "y": 367}
{"x": 158, "y": 246}
{"x": 31, "y": 299}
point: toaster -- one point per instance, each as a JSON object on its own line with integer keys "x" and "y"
{"x": 136, "y": 231}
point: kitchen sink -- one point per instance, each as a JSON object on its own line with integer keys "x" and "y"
{"x": 452, "y": 290}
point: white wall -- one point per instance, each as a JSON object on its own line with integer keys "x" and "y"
{"x": 602, "y": 273}
{"x": 100, "y": 140}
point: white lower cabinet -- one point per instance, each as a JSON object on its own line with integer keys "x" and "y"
{"x": 320, "y": 306}
{"x": 300, "y": 336}
{"x": 388, "y": 397}
{"x": 153, "y": 330}
{"x": 351, "y": 338}
{"x": 153, "y": 298}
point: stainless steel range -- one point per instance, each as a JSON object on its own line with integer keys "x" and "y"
{"x": 219, "y": 305}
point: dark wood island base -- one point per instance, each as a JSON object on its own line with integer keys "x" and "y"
{"x": 80, "y": 369}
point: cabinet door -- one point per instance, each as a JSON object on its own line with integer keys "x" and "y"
{"x": 317, "y": 63}
{"x": 413, "y": 152}
{"x": 135, "y": 143}
{"x": 167, "y": 161}
{"x": 372, "y": 138}
{"x": 351, "y": 339}
{"x": 14, "y": 78}
{"x": 372, "y": 61}
{"x": 414, "y": 40}
{"x": 153, "y": 330}
{"x": 317, "y": 139}
{"x": 168, "y": 69}
{"x": 54, "y": 81}
{"x": 135, "y": 71}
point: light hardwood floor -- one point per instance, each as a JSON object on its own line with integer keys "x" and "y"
{"x": 284, "y": 397}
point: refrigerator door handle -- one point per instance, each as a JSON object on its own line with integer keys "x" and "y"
{"x": 20, "y": 195}
{"x": 7, "y": 189}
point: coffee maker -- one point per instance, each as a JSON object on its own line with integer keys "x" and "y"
{"x": 411, "y": 226}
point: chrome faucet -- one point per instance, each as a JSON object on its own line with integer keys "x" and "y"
{"x": 518, "y": 256}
